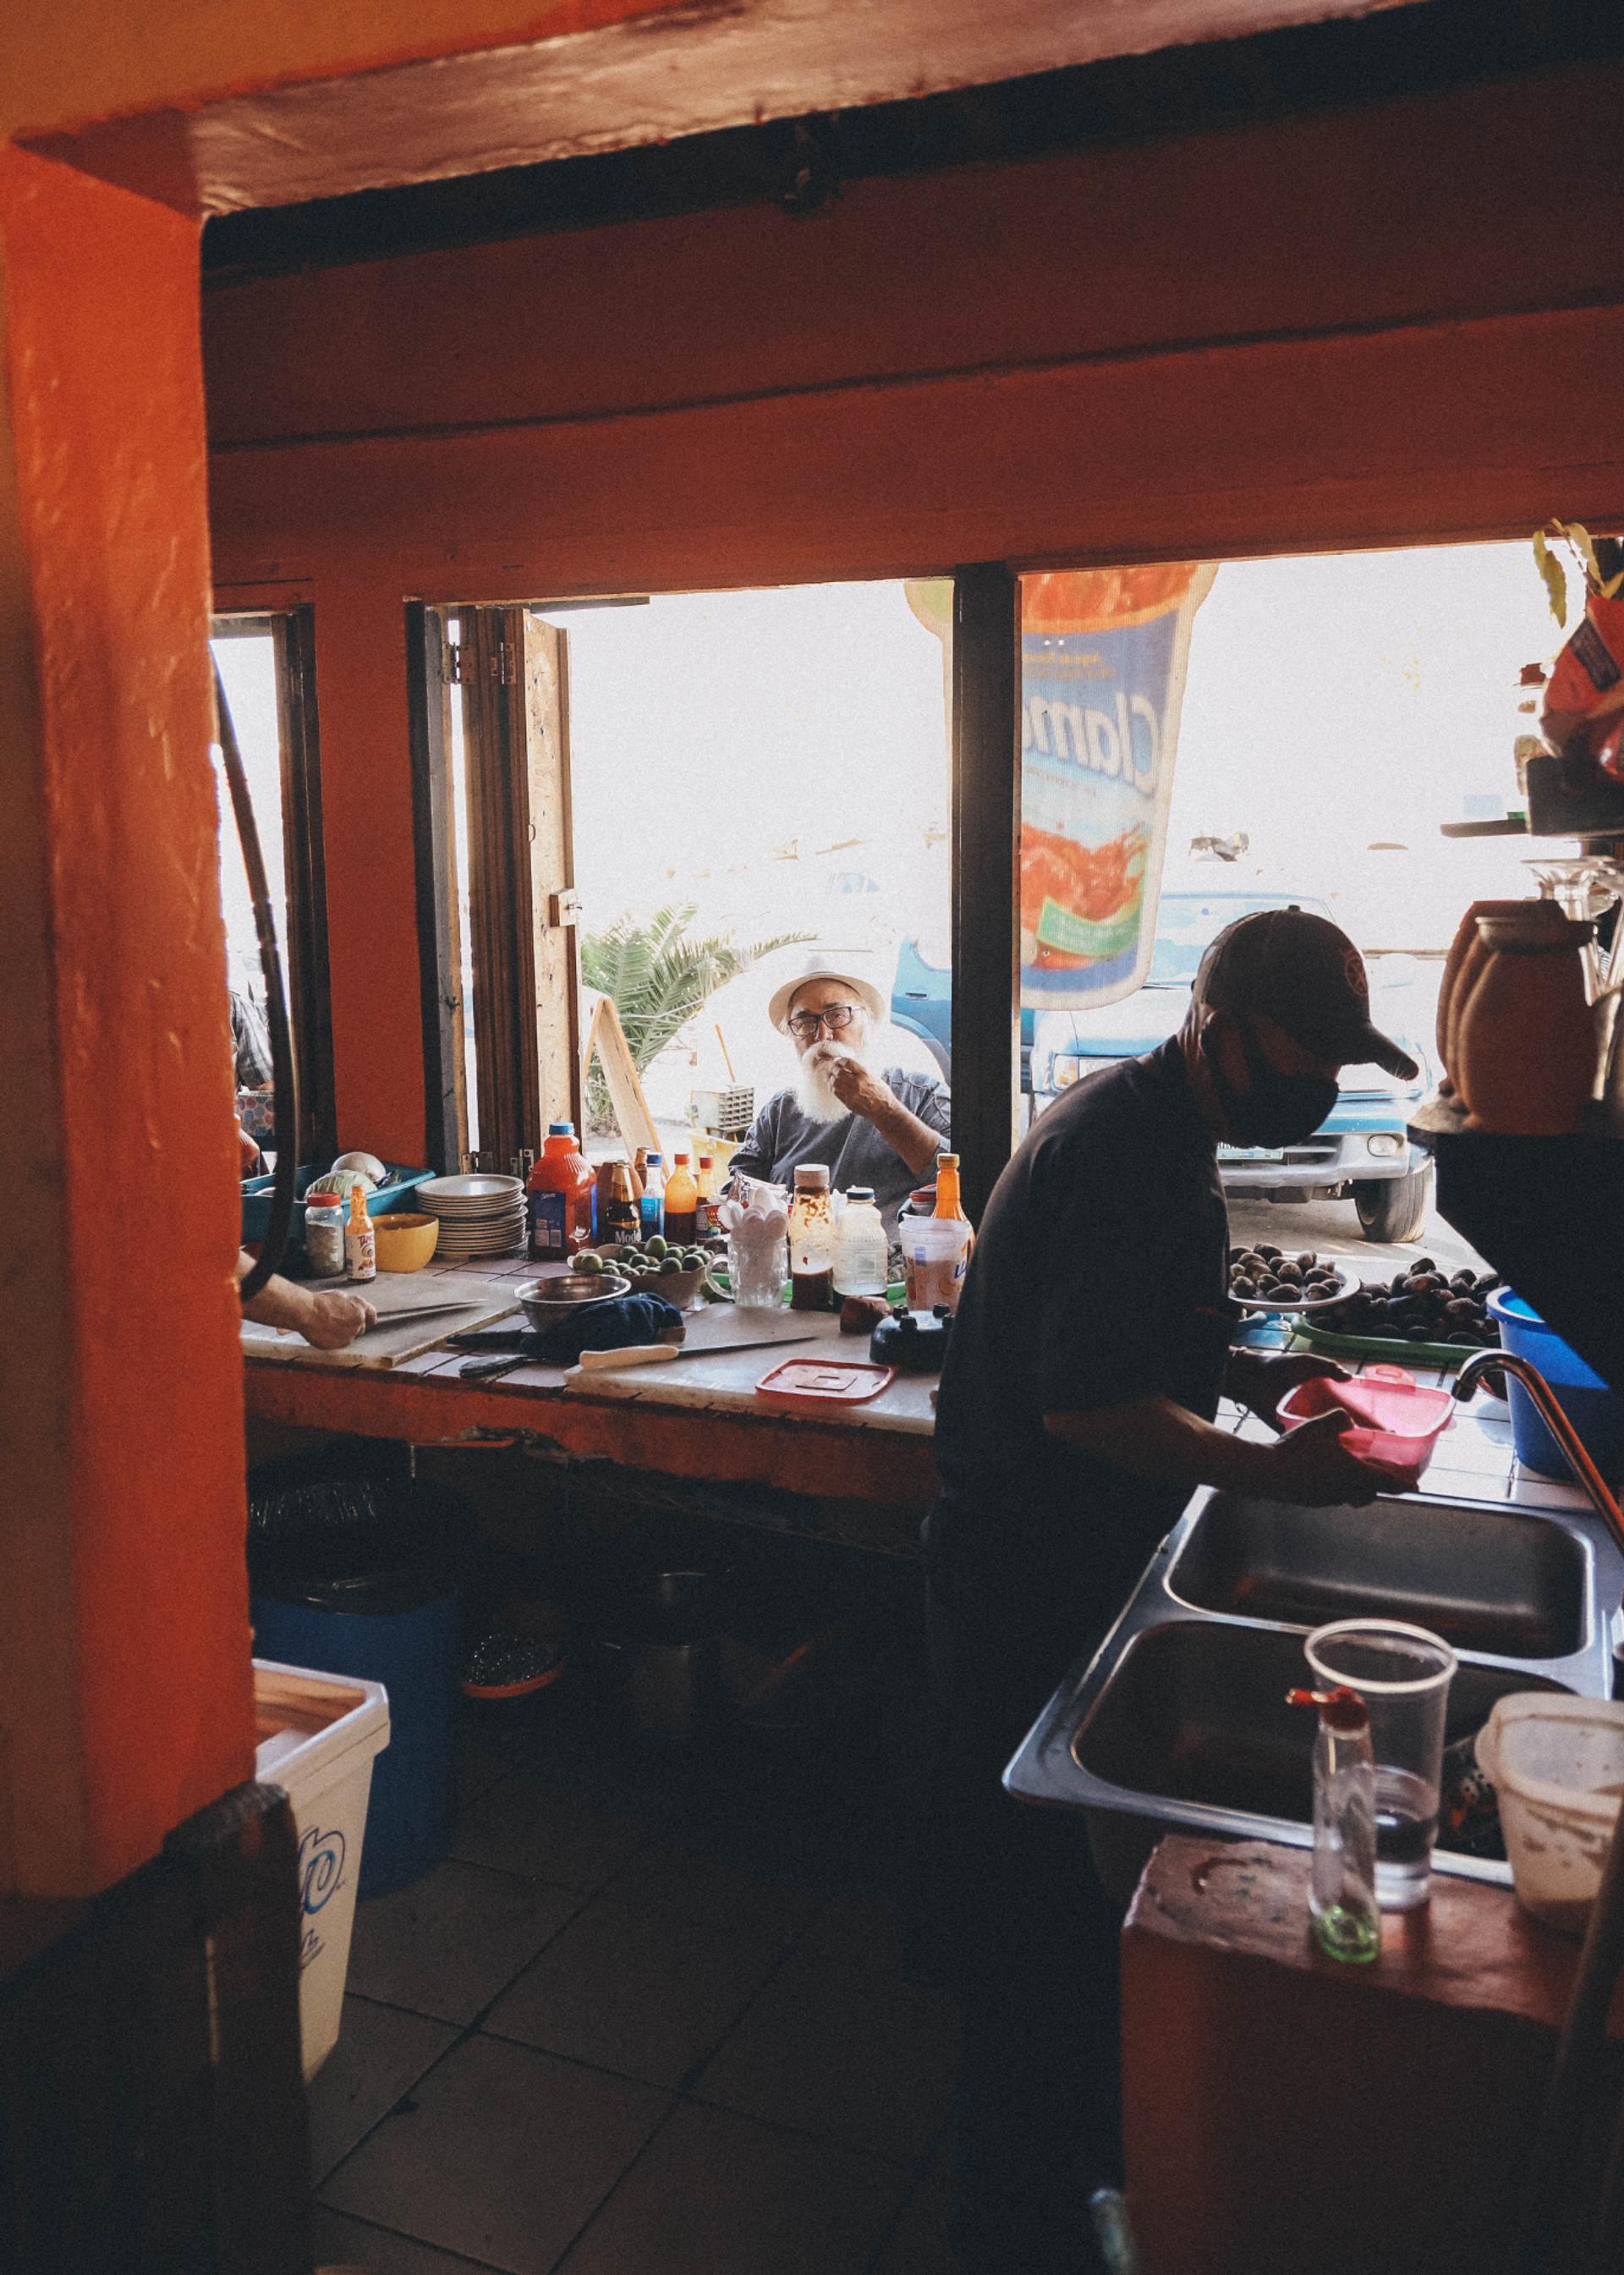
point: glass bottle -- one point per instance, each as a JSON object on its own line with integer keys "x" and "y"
{"x": 1342, "y": 1905}
{"x": 862, "y": 1252}
{"x": 619, "y": 1218}
{"x": 681, "y": 1202}
{"x": 812, "y": 1239}
{"x": 360, "y": 1242}
{"x": 651, "y": 1207}
{"x": 324, "y": 1236}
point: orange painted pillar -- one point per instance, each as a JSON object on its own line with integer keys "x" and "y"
{"x": 125, "y": 1697}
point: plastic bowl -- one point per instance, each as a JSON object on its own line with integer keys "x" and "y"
{"x": 1557, "y": 1767}
{"x": 405, "y": 1243}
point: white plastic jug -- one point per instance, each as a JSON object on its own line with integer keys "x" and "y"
{"x": 1558, "y": 1765}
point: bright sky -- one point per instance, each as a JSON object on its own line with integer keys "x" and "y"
{"x": 1332, "y": 702}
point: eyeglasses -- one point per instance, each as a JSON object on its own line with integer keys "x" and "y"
{"x": 837, "y": 1018}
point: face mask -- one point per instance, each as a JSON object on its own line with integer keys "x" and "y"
{"x": 1274, "y": 1108}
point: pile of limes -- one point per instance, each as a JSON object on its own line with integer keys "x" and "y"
{"x": 655, "y": 1259}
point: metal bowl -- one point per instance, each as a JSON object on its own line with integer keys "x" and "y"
{"x": 544, "y": 1302}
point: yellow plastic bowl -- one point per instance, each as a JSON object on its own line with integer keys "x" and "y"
{"x": 405, "y": 1243}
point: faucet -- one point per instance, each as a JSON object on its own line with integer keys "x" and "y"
{"x": 1561, "y": 1429}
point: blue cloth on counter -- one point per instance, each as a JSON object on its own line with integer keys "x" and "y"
{"x": 613, "y": 1326}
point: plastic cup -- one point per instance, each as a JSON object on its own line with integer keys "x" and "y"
{"x": 1402, "y": 1672}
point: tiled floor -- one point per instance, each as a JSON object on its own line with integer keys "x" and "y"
{"x": 643, "y": 2021}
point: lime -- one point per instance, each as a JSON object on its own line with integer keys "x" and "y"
{"x": 669, "y": 1267}
{"x": 588, "y": 1263}
{"x": 656, "y": 1247}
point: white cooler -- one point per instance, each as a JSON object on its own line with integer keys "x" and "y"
{"x": 318, "y": 1736}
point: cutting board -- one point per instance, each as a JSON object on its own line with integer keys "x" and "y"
{"x": 386, "y": 1347}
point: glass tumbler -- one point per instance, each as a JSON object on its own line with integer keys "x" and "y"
{"x": 757, "y": 1269}
{"x": 1402, "y": 1672}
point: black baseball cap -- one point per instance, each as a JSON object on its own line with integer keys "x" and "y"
{"x": 1303, "y": 972}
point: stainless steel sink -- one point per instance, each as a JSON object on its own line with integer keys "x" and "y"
{"x": 1484, "y": 1578}
{"x": 1179, "y": 1720}
{"x": 1196, "y": 1710}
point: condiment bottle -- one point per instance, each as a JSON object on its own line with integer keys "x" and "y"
{"x": 560, "y": 1197}
{"x": 862, "y": 1252}
{"x": 324, "y": 1236}
{"x": 681, "y": 1202}
{"x": 705, "y": 1215}
{"x": 948, "y": 1201}
{"x": 1525, "y": 1038}
{"x": 618, "y": 1216}
{"x": 812, "y": 1239}
{"x": 360, "y": 1243}
{"x": 1341, "y": 1902}
{"x": 651, "y": 1207}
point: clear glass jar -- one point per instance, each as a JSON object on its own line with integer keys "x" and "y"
{"x": 812, "y": 1239}
{"x": 324, "y": 1236}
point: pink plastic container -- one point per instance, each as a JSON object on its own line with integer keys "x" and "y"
{"x": 817, "y": 1386}
{"x": 1396, "y": 1423}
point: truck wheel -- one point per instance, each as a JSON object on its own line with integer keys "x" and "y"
{"x": 1396, "y": 1209}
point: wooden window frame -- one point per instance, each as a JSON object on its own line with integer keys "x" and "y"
{"x": 304, "y": 920}
{"x": 511, "y": 671}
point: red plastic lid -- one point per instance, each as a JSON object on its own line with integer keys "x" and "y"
{"x": 823, "y": 1384}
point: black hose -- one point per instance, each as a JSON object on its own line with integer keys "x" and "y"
{"x": 274, "y": 1245}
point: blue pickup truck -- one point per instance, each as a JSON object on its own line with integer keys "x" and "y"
{"x": 1360, "y": 1152}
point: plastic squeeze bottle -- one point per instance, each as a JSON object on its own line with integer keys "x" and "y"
{"x": 1343, "y": 1907}
{"x": 681, "y": 1202}
{"x": 559, "y": 1196}
{"x": 360, "y": 1242}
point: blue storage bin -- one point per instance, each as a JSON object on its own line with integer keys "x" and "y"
{"x": 257, "y": 1191}
{"x": 1596, "y": 1411}
{"x": 350, "y": 1573}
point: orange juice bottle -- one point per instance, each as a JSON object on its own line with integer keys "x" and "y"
{"x": 560, "y": 1197}
{"x": 682, "y": 1203}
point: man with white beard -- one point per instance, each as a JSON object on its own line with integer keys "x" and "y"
{"x": 882, "y": 1128}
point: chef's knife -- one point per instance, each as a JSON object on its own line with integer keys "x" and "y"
{"x": 593, "y": 1362}
{"x": 419, "y": 1311}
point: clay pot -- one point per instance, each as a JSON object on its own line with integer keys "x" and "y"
{"x": 1524, "y": 1038}
{"x": 1468, "y": 952}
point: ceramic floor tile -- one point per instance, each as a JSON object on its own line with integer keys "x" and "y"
{"x": 1467, "y": 1445}
{"x": 633, "y": 1990}
{"x": 447, "y": 1944}
{"x": 716, "y": 2195}
{"x": 529, "y": 1825}
{"x": 1528, "y": 1488}
{"x": 379, "y": 2054}
{"x": 503, "y": 2157}
{"x": 347, "y": 2243}
{"x": 684, "y": 1878}
{"x": 853, "y": 2058}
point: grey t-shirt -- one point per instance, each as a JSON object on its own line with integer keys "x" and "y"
{"x": 857, "y": 1154}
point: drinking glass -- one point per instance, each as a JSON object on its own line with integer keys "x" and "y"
{"x": 1402, "y": 1672}
{"x": 757, "y": 1268}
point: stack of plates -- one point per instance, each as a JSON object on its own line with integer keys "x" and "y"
{"x": 479, "y": 1216}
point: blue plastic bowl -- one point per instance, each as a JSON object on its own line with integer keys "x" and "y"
{"x": 1596, "y": 1411}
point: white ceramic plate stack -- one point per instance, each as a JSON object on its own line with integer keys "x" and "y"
{"x": 479, "y": 1216}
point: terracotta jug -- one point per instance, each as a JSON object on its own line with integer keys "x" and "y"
{"x": 1468, "y": 952}
{"x": 1524, "y": 1036}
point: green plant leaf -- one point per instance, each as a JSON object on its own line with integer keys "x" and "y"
{"x": 1555, "y": 582}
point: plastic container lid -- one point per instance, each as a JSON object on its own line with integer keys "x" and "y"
{"x": 823, "y": 1386}
{"x": 859, "y": 1192}
{"x": 812, "y": 1177}
{"x": 561, "y": 1129}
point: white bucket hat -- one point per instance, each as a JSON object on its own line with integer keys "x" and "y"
{"x": 818, "y": 967}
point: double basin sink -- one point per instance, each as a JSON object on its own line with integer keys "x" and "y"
{"x": 1180, "y": 1720}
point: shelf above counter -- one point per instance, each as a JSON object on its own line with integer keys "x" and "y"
{"x": 1546, "y": 1212}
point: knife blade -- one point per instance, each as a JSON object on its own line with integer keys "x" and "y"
{"x": 420, "y": 1311}
{"x": 657, "y": 1354}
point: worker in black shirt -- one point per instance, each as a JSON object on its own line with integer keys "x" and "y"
{"x": 1075, "y": 1417}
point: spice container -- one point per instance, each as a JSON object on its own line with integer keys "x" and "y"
{"x": 812, "y": 1239}
{"x": 324, "y": 1236}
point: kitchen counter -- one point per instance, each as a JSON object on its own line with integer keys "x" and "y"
{"x": 689, "y": 1418}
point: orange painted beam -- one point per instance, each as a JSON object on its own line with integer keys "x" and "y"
{"x": 455, "y": 89}
{"x": 124, "y": 1687}
{"x": 895, "y": 1469}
